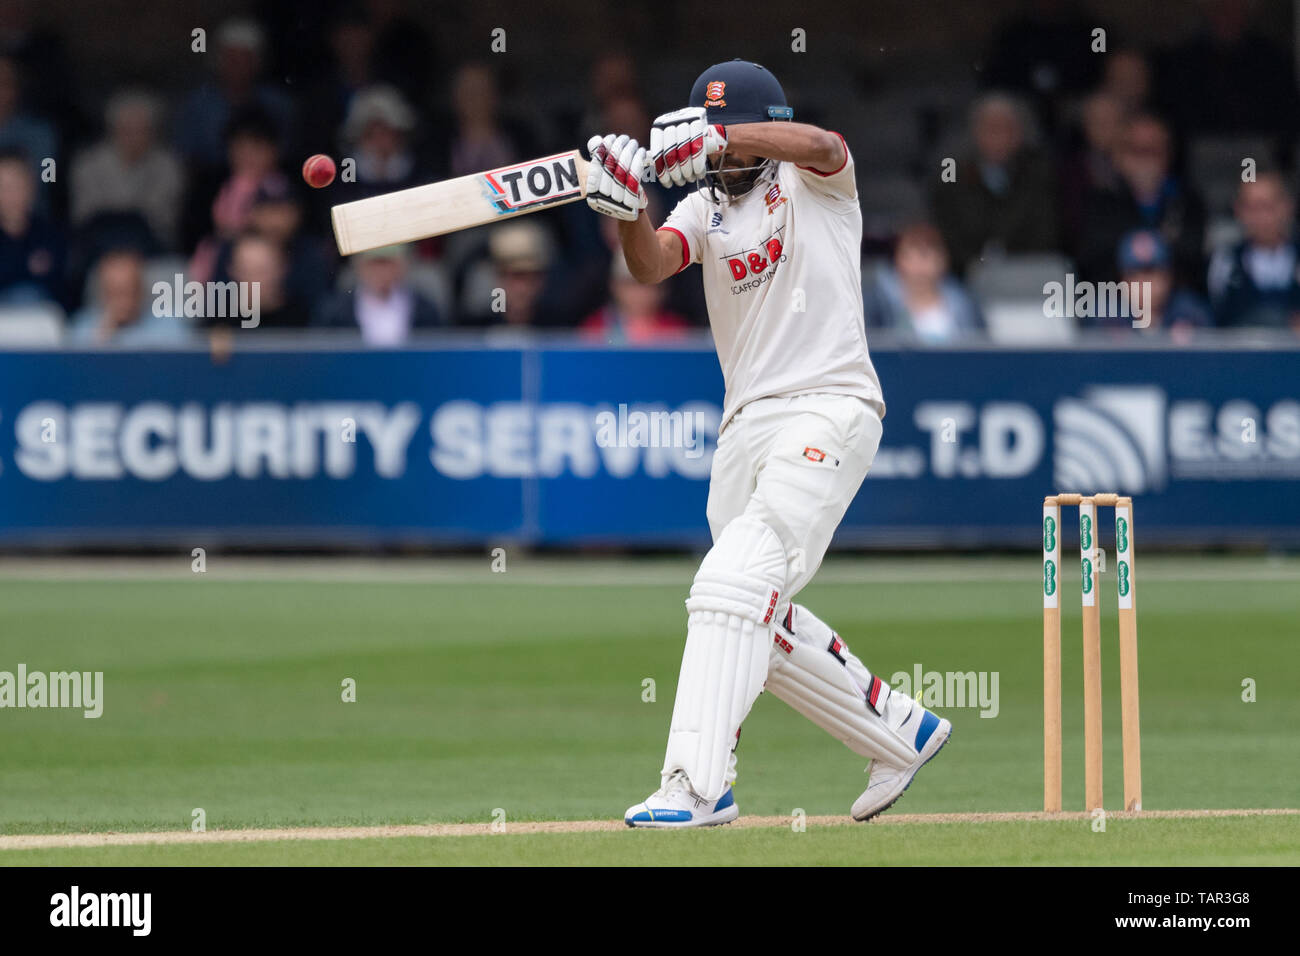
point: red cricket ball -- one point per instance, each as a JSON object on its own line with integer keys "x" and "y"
{"x": 318, "y": 171}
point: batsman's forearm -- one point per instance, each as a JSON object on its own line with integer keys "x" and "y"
{"x": 641, "y": 249}
{"x": 797, "y": 143}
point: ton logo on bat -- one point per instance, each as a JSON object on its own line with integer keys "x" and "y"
{"x": 538, "y": 182}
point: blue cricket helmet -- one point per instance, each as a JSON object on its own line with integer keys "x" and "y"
{"x": 740, "y": 92}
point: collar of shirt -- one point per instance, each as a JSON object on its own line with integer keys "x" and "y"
{"x": 1271, "y": 268}
{"x": 385, "y": 321}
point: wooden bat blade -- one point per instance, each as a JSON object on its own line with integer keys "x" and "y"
{"x": 435, "y": 209}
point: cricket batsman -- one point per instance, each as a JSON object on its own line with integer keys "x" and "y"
{"x": 775, "y": 226}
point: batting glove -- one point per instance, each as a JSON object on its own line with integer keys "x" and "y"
{"x": 614, "y": 176}
{"x": 681, "y": 143}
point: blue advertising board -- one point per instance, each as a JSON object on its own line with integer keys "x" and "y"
{"x": 559, "y": 444}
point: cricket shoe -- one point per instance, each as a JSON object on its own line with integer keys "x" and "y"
{"x": 676, "y": 805}
{"x": 886, "y": 784}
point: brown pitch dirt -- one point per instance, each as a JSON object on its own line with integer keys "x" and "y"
{"x": 56, "y": 840}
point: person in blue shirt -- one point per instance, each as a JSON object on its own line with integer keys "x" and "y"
{"x": 917, "y": 297}
{"x": 122, "y": 312}
{"x": 1256, "y": 282}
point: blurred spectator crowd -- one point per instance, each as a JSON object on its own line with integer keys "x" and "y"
{"x": 1171, "y": 166}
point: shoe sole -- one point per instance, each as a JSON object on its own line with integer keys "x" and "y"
{"x": 650, "y": 825}
{"x": 875, "y": 813}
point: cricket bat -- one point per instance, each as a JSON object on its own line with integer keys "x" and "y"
{"x": 435, "y": 209}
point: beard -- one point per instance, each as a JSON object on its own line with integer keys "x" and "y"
{"x": 734, "y": 182}
{"x": 740, "y": 181}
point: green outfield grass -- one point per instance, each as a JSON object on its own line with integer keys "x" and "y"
{"x": 523, "y": 691}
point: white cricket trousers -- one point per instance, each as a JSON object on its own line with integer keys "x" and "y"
{"x": 794, "y": 464}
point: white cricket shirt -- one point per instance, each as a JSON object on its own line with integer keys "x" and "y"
{"x": 783, "y": 284}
